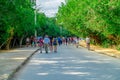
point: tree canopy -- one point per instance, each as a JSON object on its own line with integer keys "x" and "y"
{"x": 99, "y": 19}
{"x": 17, "y": 21}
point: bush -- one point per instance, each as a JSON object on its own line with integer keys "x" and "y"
{"x": 105, "y": 44}
{"x": 118, "y": 47}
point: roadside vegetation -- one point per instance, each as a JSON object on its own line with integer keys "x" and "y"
{"x": 99, "y": 19}
{"x": 17, "y": 22}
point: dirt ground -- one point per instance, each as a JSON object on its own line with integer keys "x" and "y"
{"x": 107, "y": 51}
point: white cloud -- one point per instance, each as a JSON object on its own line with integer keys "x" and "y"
{"x": 49, "y": 7}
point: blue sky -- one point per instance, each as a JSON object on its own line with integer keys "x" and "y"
{"x": 49, "y": 7}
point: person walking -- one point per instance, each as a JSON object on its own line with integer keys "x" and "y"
{"x": 40, "y": 44}
{"x": 63, "y": 40}
{"x": 32, "y": 41}
{"x": 66, "y": 40}
{"x": 55, "y": 42}
{"x": 27, "y": 41}
{"x": 51, "y": 43}
{"x": 88, "y": 43}
{"x": 46, "y": 43}
{"x": 59, "y": 41}
{"x": 77, "y": 42}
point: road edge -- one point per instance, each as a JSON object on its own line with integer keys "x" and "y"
{"x": 21, "y": 65}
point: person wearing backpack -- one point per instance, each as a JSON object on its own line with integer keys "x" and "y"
{"x": 59, "y": 41}
{"x": 51, "y": 43}
{"x": 40, "y": 44}
{"x": 55, "y": 42}
{"x": 46, "y": 43}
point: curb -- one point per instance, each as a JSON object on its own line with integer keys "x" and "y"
{"x": 20, "y": 66}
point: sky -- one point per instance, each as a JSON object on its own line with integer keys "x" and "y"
{"x": 49, "y": 7}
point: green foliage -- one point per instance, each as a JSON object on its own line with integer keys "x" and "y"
{"x": 118, "y": 47}
{"x": 17, "y": 21}
{"x": 100, "y": 19}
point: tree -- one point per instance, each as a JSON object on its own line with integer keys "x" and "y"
{"x": 99, "y": 19}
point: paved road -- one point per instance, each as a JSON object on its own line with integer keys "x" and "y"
{"x": 70, "y": 63}
{"x": 12, "y": 59}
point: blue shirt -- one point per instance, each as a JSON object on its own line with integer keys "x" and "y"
{"x": 46, "y": 40}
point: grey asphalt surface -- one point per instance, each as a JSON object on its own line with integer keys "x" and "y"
{"x": 70, "y": 63}
{"x": 11, "y": 60}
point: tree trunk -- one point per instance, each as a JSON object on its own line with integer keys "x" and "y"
{"x": 11, "y": 32}
{"x": 8, "y": 43}
{"x": 21, "y": 40}
{"x": 14, "y": 42}
{"x": 3, "y": 44}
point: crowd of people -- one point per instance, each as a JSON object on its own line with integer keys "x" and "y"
{"x": 51, "y": 43}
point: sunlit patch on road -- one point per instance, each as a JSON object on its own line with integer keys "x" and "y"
{"x": 42, "y": 74}
{"x": 76, "y": 73}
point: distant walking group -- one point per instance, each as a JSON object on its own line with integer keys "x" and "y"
{"x": 51, "y": 43}
{"x": 48, "y": 43}
{"x": 32, "y": 41}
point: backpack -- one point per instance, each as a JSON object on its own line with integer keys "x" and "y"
{"x": 40, "y": 42}
{"x": 55, "y": 41}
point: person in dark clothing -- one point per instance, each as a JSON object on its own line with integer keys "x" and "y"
{"x": 59, "y": 41}
{"x": 66, "y": 40}
{"x": 55, "y": 43}
{"x": 51, "y": 43}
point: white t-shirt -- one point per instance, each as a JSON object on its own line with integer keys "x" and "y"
{"x": 87, "y": 40}
{"x": 27, "y": 40}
